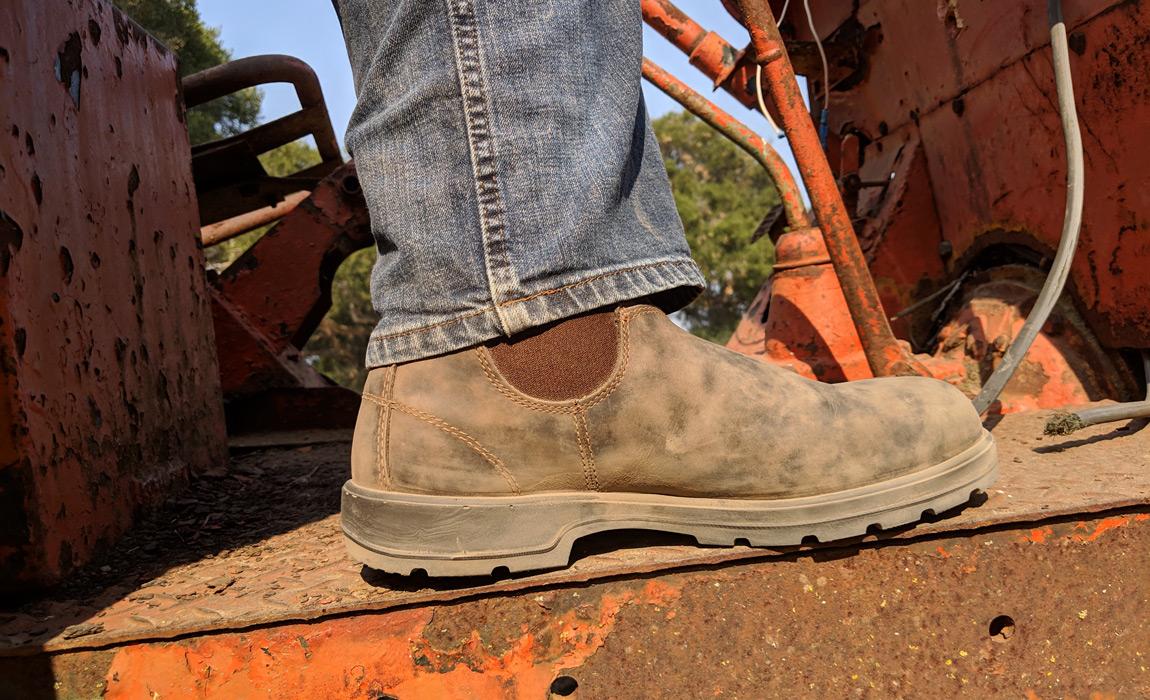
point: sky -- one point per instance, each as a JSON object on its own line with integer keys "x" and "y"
{"x": 309, "y": 30}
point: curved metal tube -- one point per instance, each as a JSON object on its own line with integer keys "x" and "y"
{"x": 883, "y": 352}
{"x": 1071, "y": 223}
{"x": 233, "y": 76}
{"x": 740, "y": 134}
{"x": 1064, "y": 422}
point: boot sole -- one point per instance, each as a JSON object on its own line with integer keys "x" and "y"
{"x": 483, "y": 535}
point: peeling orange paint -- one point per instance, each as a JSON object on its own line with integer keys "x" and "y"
{"x": 1103, "y": 526}
{"x": 1038, "y": 535}
{"x": 374, "y": 655}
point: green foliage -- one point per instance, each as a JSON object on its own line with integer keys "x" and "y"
{"x": 722, "y": 195}
{"x": 177, "y": 24}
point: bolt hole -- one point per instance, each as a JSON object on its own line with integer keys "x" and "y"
{"x": 351, "y": 184}
{"x": 1002, "y": 628}
{"x": 563, "y": 686}
{"x": 742, "y": 542}
{"x": 501, "y": 572}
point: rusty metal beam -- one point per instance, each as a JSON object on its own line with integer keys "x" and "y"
{"x": 707, "y": 51}
{"x": 214, "y": 234}
{"x": 740, "y": 134}
{"x": 883, "y": 352}
{"x": 244, "y": 73}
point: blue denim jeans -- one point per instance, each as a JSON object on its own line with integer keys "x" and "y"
{"x": 509, "y": 167}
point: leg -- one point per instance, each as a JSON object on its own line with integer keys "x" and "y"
{"x": 514, "y": 186}
{"x": 511, "y": 172}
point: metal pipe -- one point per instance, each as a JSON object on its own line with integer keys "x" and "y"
{"x": 1066, "y": 422}
{"x": 884, "y": 355}
{"x": 243, "y": 73}
{"x": 1071, "y": 221}
{"x": 706, "y": 50}
{"x": 742, "y": 136}
{"x": 225, "y": 230}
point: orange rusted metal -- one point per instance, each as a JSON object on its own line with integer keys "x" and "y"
{"x": 280, "y": 288}
{"x": 230, "y": 181}
{"x": 707, "y": 51}
{"x": 270, "y": 300}
{"x": 110, "y": 395}
{"x": 214, "y": 234}
{"x": 265, "y": 602}
{"x": 789, "y": 193}
{"x": 951, "y": 165}
{"x": 966, "y": 603}
{"x": 1065, "y": 367}
{"x": 799, "y": 320}
{"x": 884, "y": 354}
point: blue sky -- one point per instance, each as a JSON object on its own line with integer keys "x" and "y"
{"x": 309, "y": 30}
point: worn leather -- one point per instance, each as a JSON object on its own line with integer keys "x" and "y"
{"x": 677, "y": 416}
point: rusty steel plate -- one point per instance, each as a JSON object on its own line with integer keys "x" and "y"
{"x": 262, "y": 544}
{"x": 1055, "y": 611}
{"x": 110, "y": 396}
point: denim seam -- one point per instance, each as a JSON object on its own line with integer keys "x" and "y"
{"x": 595, "y": 278}
{"x": 477, "y": 326}
{"x": 477, "y": 115}
{"x": 546, "y": 292}
{"x": 432, "y": 326}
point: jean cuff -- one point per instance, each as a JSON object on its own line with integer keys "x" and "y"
{"x": 674, "y": 282}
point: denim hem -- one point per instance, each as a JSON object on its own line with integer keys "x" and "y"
{"x": 387, "y": 347}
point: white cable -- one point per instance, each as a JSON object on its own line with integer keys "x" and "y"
{"x": 822, "y": 55}
{"x": 779, "y": 21}
{"x": 1071, "y": 223}
{"x": 759, "y": 82}
{"x": 763, "y": 104}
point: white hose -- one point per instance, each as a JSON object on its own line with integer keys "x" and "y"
{"x": 1064, "y": 423}
{"x": 1071, "y": 223}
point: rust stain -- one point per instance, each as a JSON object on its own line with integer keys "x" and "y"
{"x": 111, "y": 397}
{"x": 1038, "y": 535}
{"x": 376, "y": 657}
{"x": 1103, "y": 526}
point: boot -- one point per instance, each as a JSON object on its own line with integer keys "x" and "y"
{"x": 465, "y": 463}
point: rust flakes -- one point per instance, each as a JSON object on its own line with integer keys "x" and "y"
{"x": 11, "y": 240}
{"x": 133, "y": 181}
{"x": 1038, "y": 535}
{"x": 70, "y": 67}
{"x": 94, "y": 32}
{"x": 1103, "y": 526}
{"x": 66, "y": 265}
{"x": 948, "y": 13}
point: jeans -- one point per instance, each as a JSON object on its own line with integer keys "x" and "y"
{"x": 509, "y": 167}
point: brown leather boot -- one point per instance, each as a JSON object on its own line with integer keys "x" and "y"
{"x": 457, "y": 472}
